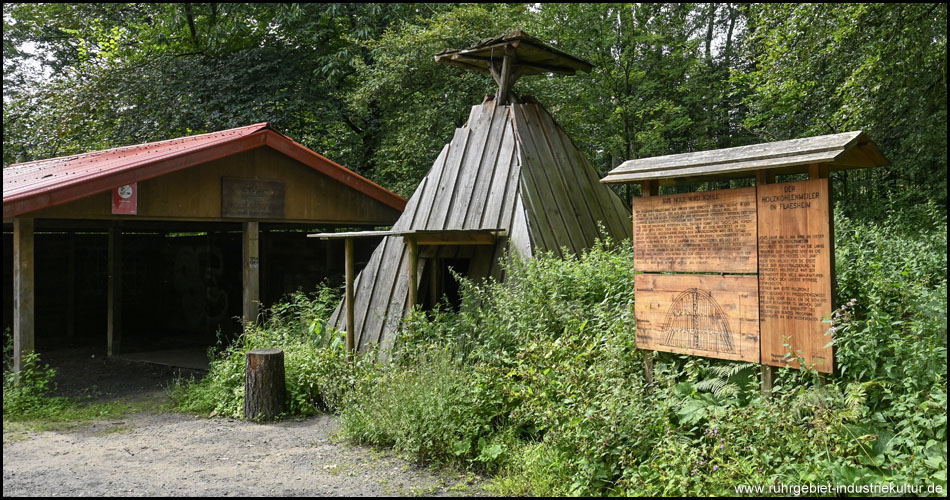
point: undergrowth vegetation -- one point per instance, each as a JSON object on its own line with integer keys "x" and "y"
{"x": 28, "y": 398}
{"x": 315, "y": 362}
{"x": 537, "y": 381}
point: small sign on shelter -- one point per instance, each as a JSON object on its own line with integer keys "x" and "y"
{"x": 125, "y": 199}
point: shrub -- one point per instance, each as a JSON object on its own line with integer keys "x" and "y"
{"x": 316, "y": 367}
{"x": 537, "y": 380}
{"x": 542, "y": 371}
{"x": 26, "y": 394}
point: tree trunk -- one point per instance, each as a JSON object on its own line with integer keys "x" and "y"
{"x": 264, "y": 385}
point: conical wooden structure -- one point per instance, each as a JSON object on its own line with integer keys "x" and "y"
{"x": 510, "y": 180}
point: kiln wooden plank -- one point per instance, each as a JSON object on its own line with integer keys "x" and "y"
{"x": 579, "y": 190}
{"x": 444, "y": 189}
{"x": 795, "y": 274}
{"x": 470, "y": 167}
{"x": 430, "y": 185}
{"x": 507, "y": 184}
{"x": 712, "y": 231}
{"x": 701, "y": 315}
{"x": 544, "y": 216}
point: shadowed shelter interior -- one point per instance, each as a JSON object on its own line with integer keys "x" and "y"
{"x": 217, "y": 227}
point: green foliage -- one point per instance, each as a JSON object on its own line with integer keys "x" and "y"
{"x": 25, "y": 394}
{"x": 358, "y": 83}
{"x": 892, "y": 287}
{"x": 538, "y": 382}
{"x": 317, "y": 370}
{"x": 119, "y": 74}
{"x": 27, "y": 399}
{"x": 415, "y": 103}
{"x": 835, "y": 67}
{"x": 431, "y": 412}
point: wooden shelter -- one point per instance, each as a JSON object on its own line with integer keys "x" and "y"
{"x": 510, "y": 180}
{"x": 136, "y": 242}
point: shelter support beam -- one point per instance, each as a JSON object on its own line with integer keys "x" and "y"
{"x": 413, "y": 272}
{"x": 350, "y": 314}
{"x": 114, "y": 321}
{"x": 816, "y": 171}
{"x": 23, "y": 290}
{"x": 252, "y": 271}
{"x": 71, "y": 288}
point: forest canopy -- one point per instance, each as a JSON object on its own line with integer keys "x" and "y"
{"x": 358, "y": 82}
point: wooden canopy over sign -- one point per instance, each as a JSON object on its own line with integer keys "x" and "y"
{"x": 848, "y": 150}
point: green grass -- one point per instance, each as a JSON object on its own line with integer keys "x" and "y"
{"x": 28, "y": 405}
{"x": 59, "y": 413}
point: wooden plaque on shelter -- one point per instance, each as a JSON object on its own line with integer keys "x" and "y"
{"x": 795, "y": 273}
{"x": 713, "y": 231}
{"x": 703, "y": 315}
{"x": 252, "y": 198}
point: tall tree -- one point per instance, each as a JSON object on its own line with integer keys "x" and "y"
{"x": 827, "y": 68}
{"x": 126, "y": 73}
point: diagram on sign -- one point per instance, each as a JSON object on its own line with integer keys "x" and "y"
{"x": 696, "y": 321}
{"x": 704, "y": 315}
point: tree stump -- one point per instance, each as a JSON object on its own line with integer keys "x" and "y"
{"x": 264, "y": 384}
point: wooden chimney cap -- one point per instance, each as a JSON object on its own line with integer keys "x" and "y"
{"x": 531, "y": 56}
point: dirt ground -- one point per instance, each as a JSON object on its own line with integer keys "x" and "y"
{"x": 161, "y": 453}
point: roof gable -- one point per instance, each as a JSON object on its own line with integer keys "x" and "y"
{"x": 32, "y": 186}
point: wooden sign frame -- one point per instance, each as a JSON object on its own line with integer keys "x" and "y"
{"x": 791, "y": 279}
{"x": 252, "y": 198}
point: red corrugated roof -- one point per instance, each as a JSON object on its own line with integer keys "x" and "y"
{"x": 35, "y": 185}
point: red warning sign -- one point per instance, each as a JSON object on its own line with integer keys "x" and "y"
{"x": 125, "y": 199}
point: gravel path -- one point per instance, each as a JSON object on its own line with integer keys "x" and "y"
{"x": 170, "y": 454}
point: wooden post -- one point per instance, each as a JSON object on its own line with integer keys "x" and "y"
{"x": 350, "y": 316}
{"x": 505, "y": 88}
{"x": 413, "y": 271}
{"x": 821, "y": 172}
{"x": 71, "y": 287}
{"x": 23, "y": 304}
{"x": 252, "y": 275}
{"x": 114, "y": 326}
{"x": 767, "y": 373}
{"x": 649, "y": 188}
{"x": 648, "y": 371}
{"x": 264, "y": 384}
{"x": 434, "y": 280}
{"x": 264, "y": 245}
